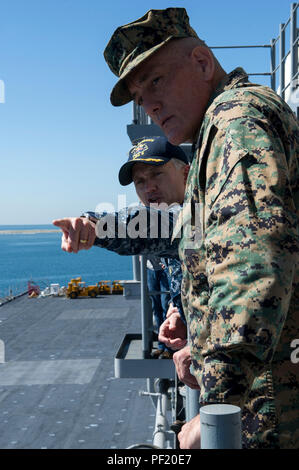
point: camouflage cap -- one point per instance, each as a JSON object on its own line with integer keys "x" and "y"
{"x": 132, "y": 43}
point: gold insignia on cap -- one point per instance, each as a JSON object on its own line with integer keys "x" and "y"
{"x": 139, "y": 150}
{"x": 150, "y": 159}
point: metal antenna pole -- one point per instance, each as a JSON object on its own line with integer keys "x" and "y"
{"x": 294, "y": 41}
{"x": 273, "y": 65}
{"x": 282, "y": 60}
{"x": 136, "y": 267}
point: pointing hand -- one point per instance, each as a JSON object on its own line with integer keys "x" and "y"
{"x": 78, "y": 233}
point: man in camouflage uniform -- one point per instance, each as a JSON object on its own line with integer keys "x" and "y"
{"x": 240, "y": 245}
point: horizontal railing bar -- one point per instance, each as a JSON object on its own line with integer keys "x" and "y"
{"x": 260, "y": 73}
{"x": 237, "y": 47}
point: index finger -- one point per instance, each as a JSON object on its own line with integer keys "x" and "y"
{"x": 62, "y": 223}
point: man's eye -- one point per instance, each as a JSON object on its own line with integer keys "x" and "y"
{"x": 155, "y": 81}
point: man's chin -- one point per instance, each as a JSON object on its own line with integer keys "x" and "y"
{"x": 175, "y": 137}
{"x": 175, "y": 140}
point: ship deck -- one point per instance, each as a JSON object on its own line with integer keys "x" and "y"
{"x": 57, "y": 384}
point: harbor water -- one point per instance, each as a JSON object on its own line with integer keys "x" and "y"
{"x": 27, "y": 254}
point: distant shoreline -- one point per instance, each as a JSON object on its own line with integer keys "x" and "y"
{"x": 28, "y": 232}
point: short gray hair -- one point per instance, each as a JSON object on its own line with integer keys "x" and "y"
{"x": 178, "y": 163}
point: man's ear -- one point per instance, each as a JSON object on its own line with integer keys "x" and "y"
{"x": 203, "y": 58}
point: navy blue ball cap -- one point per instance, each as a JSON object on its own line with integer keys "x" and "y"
{"x": 152, "y": 151}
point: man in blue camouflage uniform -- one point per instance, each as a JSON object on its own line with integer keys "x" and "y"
{"x": 159, "y": 171}
{"x": 239, "y": 248}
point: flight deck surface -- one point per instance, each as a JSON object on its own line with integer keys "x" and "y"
{"x": 57, "y": 384}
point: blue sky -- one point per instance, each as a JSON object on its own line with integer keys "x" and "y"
{"x": 61, "y": 141}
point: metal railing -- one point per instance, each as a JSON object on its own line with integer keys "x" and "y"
{"x": 12, "y": 292}
{"x": 286, "y": 69}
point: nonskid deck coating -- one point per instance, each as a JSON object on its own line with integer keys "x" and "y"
{"x": 57, "y": 385}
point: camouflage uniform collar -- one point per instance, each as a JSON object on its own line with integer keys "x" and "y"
{"x": 228, "y": 82}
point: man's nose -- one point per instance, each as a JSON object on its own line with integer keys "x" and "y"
{"x": 150, "y": 186}
{"x": 152, "y": 108}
